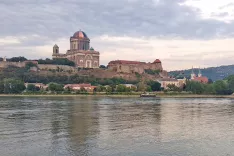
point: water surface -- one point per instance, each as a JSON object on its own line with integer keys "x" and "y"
{"x": 116, "y": 126}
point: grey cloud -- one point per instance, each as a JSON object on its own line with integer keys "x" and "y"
{"x": 222, "y": 14}
{"x": 227, "y": 5}
{"x": 58, "y": 18}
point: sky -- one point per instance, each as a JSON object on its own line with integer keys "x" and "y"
{"x": 181, "y": 33}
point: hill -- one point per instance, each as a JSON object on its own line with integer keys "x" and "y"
{"x": 213, "y": 73}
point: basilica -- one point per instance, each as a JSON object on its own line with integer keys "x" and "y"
{"x": 80, "y": 52}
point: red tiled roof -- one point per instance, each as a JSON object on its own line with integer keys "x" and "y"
{"x": 202, "y": 79}
{"x": 157, "y": 61}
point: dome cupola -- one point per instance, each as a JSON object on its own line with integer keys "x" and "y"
{"x": 80, "y": 34}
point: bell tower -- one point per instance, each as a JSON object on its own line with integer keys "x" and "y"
{"x": 55, "y": 50}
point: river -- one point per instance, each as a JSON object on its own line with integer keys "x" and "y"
{"x": 105, "y": 126}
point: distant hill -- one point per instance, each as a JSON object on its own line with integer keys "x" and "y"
{"x": 214, "y": 73}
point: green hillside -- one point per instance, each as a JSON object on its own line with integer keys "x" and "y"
{"x": 214, "y": 73}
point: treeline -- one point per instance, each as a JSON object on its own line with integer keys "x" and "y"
{"x": 57, "y": 61}
{"x": 152, "y": 72}
{"x": 17, "y": 59}
{"x": 14, "y": 86}
{"x": 220, "y": 87}
{"x": 31, "y": 77}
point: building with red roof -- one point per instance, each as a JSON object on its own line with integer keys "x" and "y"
{"x": 199, "y": 78}
{"x": 86, "y": 86}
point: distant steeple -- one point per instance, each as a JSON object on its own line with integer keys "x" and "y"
{"x": 199, "y": 74}
{"x": 192, "y": 74}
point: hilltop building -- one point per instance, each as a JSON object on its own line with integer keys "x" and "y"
{"x": 199, "y": 78}
{"x": 126, "y": 66}
{"x": 80, "y": 52}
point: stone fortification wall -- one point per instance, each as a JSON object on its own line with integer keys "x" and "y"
{"x": 121, "y": 68}
{"x": 4, "y": 64}
{"x": 133, "y": 66}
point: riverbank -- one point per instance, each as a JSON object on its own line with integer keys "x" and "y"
{"x": 117, "y": 95}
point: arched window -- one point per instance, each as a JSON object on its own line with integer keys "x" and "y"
{"x": 56, "y": 51}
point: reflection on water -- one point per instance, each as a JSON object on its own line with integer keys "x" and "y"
{"x": 116, "y": 126}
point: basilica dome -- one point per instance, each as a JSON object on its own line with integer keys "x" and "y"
{"x": 80, "y": 34}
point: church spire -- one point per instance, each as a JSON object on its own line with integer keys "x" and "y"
{"x": 199, "y": 74}
{"x": 192, "y": 74}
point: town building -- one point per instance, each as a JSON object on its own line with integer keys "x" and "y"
{"x": 39, "y": 85}
{"x": 80, "y": 51}
{"x": 169, "y": 81}
{"x": 199, "y": 77}
{"x": 87, "y": 86}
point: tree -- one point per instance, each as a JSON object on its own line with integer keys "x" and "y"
{"x": 13, "y": 86}
{"x": 140, "y": 86}
{"x": 133, "y": 88}
{"x": 109, "y": 89}
{"x": 230, "y": 82}
{"x": 173, "y": 87}
{"x": 210, "y": 81}
{"x": 1, "y": 87}
{"x": 57, "y": 61}
{"x": 28, "y": 65}
{"x": 221, "y": 88}
{"x": 17, "y": 59}
{"x": 194, "y": 87}
{"x": 102, "y": 66}
{"x": 152, "y": 72}
{"x": 31, "y": 87}
{"x": 148, "y": 89}
{"x": 121, "y": 88}
{"x": 55, "y": 87}
{"x": 209, "y": 89}
{"x": 155, "y": 86}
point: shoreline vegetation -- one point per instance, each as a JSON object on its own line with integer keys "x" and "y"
{"x": 24, "y": 82}
{"x": 118, "y": 95}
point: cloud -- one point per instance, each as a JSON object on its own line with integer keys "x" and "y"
{"x": 227, "y": 5}
{"x": 125, "y": 17}
{"x": 221, "y": 14}
{"x": 170, "y": 30}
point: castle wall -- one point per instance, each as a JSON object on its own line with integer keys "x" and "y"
{"x": 16, "y": 64}
{"x": 132, "y": 68}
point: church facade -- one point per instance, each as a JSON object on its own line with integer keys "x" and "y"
{"x": 80, "y": 52}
